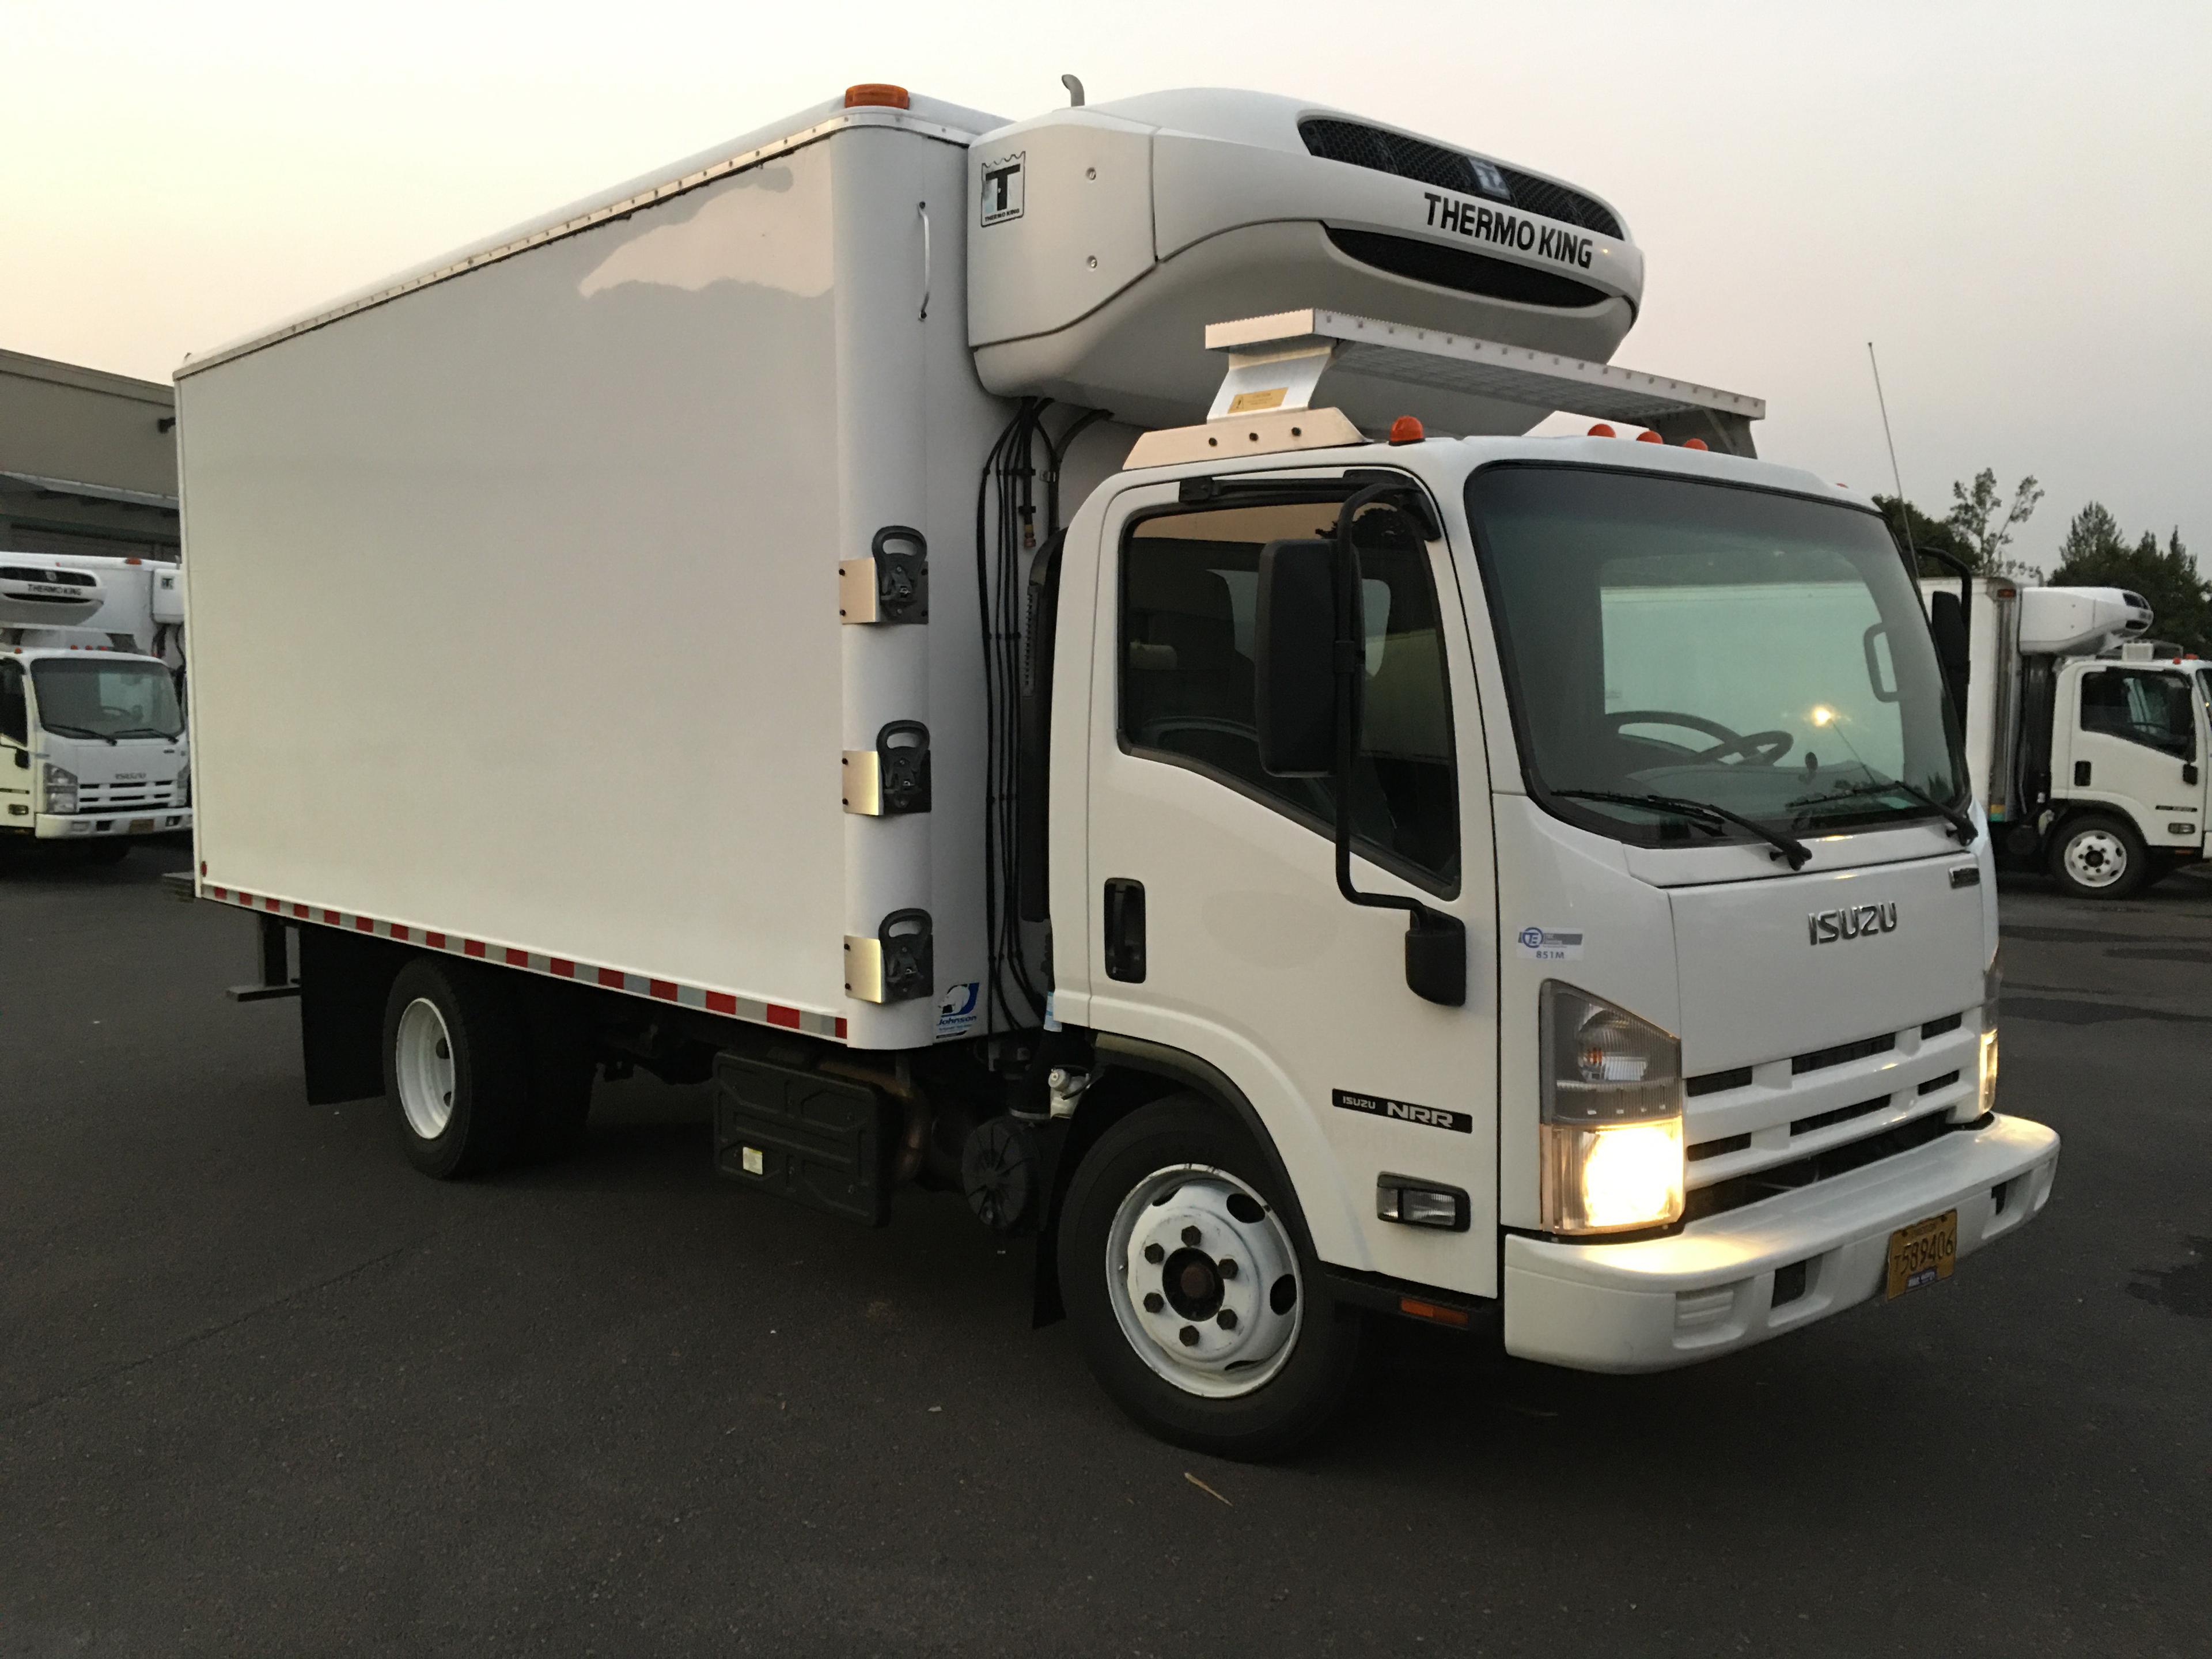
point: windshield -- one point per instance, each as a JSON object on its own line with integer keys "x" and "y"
{"x": 90, "y": 698}
{"x": 1757, "y": 653}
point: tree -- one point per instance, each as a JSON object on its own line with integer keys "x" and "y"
{"x": 1922, "y": 533}
{"x": 2095, "y": 554}
{"x": 1974, "y": 515}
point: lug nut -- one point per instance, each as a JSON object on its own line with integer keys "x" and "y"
{"x": 1190, "y": 1236}
{"x": 1188, "y": 1336}
{"x": 1155, "y": 1254}
{"x": 1228, "y": 1268}
{"x": 1226, "y": 1319}
{"x": 1153, "y": 1302}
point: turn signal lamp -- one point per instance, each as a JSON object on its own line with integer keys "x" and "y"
{"x": 1610, "y": 1138}
{"x": 1986, "y": 1090}
{"x": 1407, "y": 430}
{"x": 877, "y": 95}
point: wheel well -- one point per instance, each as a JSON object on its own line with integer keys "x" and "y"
{"x": 1131, "y": 1074}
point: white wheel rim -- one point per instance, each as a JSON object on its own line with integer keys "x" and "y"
{"x": 2096, "y": 858}
{"x": 1207, "y": 1297}
{"x": 424, "y": 1063}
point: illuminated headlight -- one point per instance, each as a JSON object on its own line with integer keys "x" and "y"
{"x": 1610, "y": 1133}
{"x": 1985, "y": 1096}
{"x": 61, "y": 789}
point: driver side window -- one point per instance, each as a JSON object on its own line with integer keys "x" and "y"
{"x": 2154, "y": 710}
{"x": 1189, "y": 597}
{"x": 15, "y": 713}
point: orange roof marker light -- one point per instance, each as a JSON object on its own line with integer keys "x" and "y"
{"x": 876, "y": 95}
{"x": 1601, "y": 430}
{"x": 1407, "y": 430}
{"x": 1649, "y": 438}
{"x": 1694, "y": 443}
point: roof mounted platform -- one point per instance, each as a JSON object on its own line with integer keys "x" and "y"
{"x": 1275, "y": 364}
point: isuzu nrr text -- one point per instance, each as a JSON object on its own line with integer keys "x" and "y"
{"x": 1037, "y": 658}
{"x": 92, "y": 730}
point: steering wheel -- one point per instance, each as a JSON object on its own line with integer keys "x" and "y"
{"x": 1668, "y": 717}
{"x": 1757, "y": 748}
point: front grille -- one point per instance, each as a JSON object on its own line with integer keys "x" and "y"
{"x": 1843, "y": 1054}
{"x": 122, "y": 797}
{"x": 1359, "y": 145}
{"x": 1735, "y": 1194}
{"x": 1806, "y": 1126}
{"x": 1469, "y": 273}
{"x": 1714, "y": 1082}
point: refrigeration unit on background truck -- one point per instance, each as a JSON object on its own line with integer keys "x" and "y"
{"x": 92, "y": 729}
{"x": 960, "y": 687}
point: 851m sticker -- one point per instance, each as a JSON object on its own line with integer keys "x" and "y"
{"x": 1434, "y": 1117}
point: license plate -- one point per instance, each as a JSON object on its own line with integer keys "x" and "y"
{"x": 139, "y": 826}
{"x": 1922, "y": 1253}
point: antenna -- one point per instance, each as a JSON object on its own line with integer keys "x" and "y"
{"x": 1895, "y": 476}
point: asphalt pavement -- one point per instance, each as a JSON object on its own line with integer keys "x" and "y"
{"x": 265, "y": 1391}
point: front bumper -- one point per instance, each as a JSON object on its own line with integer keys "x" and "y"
{"x": 142, "y": 821}
{"x": 1709, "y": 1290}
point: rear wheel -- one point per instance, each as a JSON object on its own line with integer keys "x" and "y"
{"x": 2100, "y": 856}
{"x": 455, "y": 1068}
{"x": 1196, "y": 1300}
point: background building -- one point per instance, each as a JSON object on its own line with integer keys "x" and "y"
{"x": 87, "y": 461}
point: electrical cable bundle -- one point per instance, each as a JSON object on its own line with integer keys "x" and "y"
{"x": 1006, "y": 536}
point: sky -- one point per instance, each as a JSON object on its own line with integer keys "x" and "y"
{"x": 2012, "y": 201}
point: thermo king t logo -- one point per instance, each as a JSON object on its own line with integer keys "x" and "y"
{"x": 1002, "y": 188}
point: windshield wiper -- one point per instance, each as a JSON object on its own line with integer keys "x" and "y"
{"x": 77, "y": 732}
{"x": 1704, "y": 813}
{"x": 146, "y": 732}
{"x": 1961, "y": 825}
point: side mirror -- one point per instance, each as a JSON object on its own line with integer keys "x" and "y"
{"x": 1294, "y": 659}
{"x": 1947, "y": 623}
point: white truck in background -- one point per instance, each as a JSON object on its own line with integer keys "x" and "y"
{"x": 1089, "y": 717}
{"x": 2087, "y": 749}
{"x": 92, "y": 752}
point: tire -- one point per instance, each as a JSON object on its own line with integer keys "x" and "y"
{"x": 1246, "y": 1365}
{"x": 2099, "y": 856}
{"x": 455, "y": 1068}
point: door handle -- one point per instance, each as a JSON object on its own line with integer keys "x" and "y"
{"x": 1125, "y": 930}
{"x": 2188, "y": 771}
{"x": 2080, "y": 775}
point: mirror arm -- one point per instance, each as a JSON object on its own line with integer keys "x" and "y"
{"x": 1435, "y": 943}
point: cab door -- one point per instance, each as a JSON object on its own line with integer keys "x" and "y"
{"x": 2133, "y": 741}
{"x": 1214, "y": 925}
{"x": 16, "y": 766}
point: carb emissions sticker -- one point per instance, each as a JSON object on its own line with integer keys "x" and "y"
{"x": 1549, "y": 943}
{"x": 1434, "y": 1117}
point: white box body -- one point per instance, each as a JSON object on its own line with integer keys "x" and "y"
{"x": 514, "y": 596}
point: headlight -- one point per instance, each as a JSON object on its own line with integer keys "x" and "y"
{"x": 61, "y": 789}
{"x": 1610, "y": 1133}
{"x": 1985, "y": 1096}
{"x": 185, "y": 788}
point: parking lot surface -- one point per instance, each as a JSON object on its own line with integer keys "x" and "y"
{"x": 264, "y": 1390}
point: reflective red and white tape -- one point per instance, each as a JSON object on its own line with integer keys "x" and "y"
{"x": 581, "y": 973}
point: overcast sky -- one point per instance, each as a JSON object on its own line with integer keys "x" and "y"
{"x": 2012, "y": 200}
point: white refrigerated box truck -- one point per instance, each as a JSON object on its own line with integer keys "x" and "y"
{"x": 2086, "y": 747}
{"x": 1036, "y": 657}
{"x": 92, "y": 753}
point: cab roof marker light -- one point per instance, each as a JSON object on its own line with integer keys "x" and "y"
{"x": 1694, "y": 443}
{"x": 1601, "y": 430}
{"x": 877, "y": 95}
{"x": 1649, "y": 438}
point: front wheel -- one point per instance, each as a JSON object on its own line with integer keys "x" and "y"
{"x": 2100, "y": 856}
{"x": 1193, "y": 1293}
